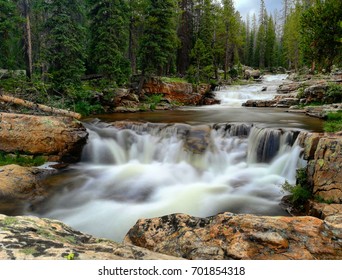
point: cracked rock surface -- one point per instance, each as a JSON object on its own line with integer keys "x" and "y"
{"x": 32, "y": 238}
{"x": 228, "y": 236}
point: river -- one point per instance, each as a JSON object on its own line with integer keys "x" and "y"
{"x": 195, "y": 160}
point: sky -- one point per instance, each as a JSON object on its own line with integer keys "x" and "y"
{"x": 253, "y": 6}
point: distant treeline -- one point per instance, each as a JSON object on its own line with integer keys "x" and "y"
{"x": 61, "y": 41}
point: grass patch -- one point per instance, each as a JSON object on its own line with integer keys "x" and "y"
{"x": 27, "y": 161}
{"x": 173, "y": 80}
{"x": 322, "y": 200}
{"x": 333, "y": 122}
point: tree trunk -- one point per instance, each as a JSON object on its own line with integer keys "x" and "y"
{"x": 27, "y": 38}
{"x": 226, "y": 53}
{"x": 44, "y": 108}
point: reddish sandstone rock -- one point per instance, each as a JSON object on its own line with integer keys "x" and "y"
{"x": 183, "y": 93}
{"x": 57, "y": 138}
{"x": 229, "y": 236}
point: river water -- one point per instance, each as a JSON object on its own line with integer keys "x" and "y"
{"x": 195, "y": 160}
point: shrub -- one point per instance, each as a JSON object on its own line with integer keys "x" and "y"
{"x": 334, "y": 92}
{"x": 153, "y": 100}
{"x": 299, "y": 192}
{"x": 333, "y": 122}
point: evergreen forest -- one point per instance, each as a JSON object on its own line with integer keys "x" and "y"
{"x": 68, "y": 46}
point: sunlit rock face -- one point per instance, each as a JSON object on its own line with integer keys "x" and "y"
{"x": 229, "y": 236}
{"x": 57, "y": 138}
{"x": 31, "y": 238}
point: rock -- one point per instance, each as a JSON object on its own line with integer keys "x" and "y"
{"x": 57, "y": 138}
{"x": 20, "y": 186}
{"x": 248, "y": 237}
{"x": 324, "y": 210}
{"x": 287, "y": 102}
{"x": 322, "y": 111}
{"x": 32, "y": 238}
{"x": 260, "y": 103}
{"x": 315, "y": 93}
{"x": 250, "y": 73}
{"x": 179, "y": 92}
{"x": 325, "y": 170}
{"x": 288, "y": 87}
{"x": 198, "y": 139}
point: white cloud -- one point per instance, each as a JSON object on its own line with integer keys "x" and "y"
{"x": 253, "y": 6}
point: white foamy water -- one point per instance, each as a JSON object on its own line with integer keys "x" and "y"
{"x": 234, "y": 96}
{"x": 146, "y": 172}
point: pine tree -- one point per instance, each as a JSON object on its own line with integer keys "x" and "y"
{"x": 136, "y": 22}
{"x": 159, "y": 40}
{"x": 109, "y": 39}
{"x": 9, "y": 36}
{"x": 64, "y": 43}
{"x": 261, "y": 36}
{"x": 291, "y": 38}
{"x": 320, "y": 31}
{"x": 270, "y": 43}
{"x": 185, "y": 34}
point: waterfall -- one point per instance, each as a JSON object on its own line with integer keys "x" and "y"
{"x": 139, "y": 170}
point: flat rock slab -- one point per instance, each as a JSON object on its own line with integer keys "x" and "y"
{"x": 32, "y": 238}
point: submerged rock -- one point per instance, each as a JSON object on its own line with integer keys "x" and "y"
{"x": 230, "y": 236}
{"x": 32, "y": 238}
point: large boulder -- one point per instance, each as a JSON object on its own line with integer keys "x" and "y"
{"x": 316, "y": 93}
{"x": 32, "y": 238}
{"x": 230, "y": 236}
{"x": 20, "y": 186}
{"x": 178, "y": 92}
{"x": 251, "y": 73}
{"x": 56, "y": 138}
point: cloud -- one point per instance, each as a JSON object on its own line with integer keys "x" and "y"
{"x": 253, "y": 6}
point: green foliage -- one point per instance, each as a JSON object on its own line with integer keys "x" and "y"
{"x": 299, "y": 192}
{"x": 70, "y": 257}
{"x": 109, "y": 39}
{"x": 65, "y": 40}
{"x": 333, "y": 122}
{"x": 159, "y": 40}
{"x": 6, "y": 159}
{"x": 322, "y": 200}
{"x": 9, "y": 35}
{"x": 320, "y": 33}
{"x": 334, "y": 92}
{"x": 173, "y": 80}
{"x": 84, "y": 102}
{"x": 292, "y": 38}
{"x": 202, "y": 68}
{"x": 153, "y": 100}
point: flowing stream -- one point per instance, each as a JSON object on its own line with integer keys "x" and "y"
{"x": 194, "y": 166}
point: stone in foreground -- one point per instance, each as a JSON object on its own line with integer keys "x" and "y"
{"x": 32, "y": 238}
{"x": 228, "y": 236}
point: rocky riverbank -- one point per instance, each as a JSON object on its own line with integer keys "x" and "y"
{"x": 298, "y": 93}
{"x": 154, "y": 93}
{"x": 224, "y": 236}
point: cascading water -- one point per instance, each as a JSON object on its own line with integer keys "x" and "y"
{"x": 234, "y": 96}
{"x": 150, "y": 170}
